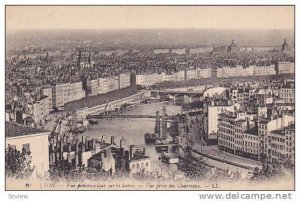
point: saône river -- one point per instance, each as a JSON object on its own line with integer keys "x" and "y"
{"x": 133, "y": 130}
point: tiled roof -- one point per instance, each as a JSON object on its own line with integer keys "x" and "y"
{"x": 15, "y": 130}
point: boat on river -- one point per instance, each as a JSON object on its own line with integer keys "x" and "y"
{"x": 93, "y": 121}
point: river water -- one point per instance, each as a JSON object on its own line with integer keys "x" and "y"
{"x": 133, "y": 130}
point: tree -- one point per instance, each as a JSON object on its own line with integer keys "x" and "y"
{"x": 17, "y": 164}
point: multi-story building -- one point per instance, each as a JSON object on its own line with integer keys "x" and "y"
{"x": 251, "y": 144}
{"x": 103, "y": 85}
{"x": 248, "y": 71}
{"x": 237, "y": 134}
{"x": 203, "y": 72}
{"x": 238, "y": 94}
{"x": 241, "y": 134}
{"x": 124, "y": 80}
{"x": 58, "y": 95}
{"x": 179, "y": 76}
{"x": 149, "y": 79}
{"x": 140, "y": 80}
{"x": 92, "y": 87}
{"x": 213, "y": 107}
{"x": 112, "y": 83}
{"x": 47, "y": 91}
{"x": 179, "y": 51}
{"x": 265, "y": 70}
{"x": 287, "y": 93}
{"x": 266, "y": 126}
{"x": 190, "y": 74}
{"x": 139, "y": 162}
{"x": 285, "y": 67}
{"x": 283, "y": 143}
{"x": 161, "y": 51}
{"x": 67, "y": 92}
{"x": 167, "y": 77}
{"x": 76, "y": 91}
{"x": 40, "y": 109}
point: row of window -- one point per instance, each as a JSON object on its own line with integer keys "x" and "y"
{"x": 138, "y": 165}
{"x": 245, "y": 149}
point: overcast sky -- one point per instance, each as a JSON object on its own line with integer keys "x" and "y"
{"x": 141, "y": 17}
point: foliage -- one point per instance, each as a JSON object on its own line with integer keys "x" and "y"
{"x": 18, "y": 164}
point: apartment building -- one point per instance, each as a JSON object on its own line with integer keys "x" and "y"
{"x": 270, "y": 134}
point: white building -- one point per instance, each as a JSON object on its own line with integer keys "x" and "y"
{"x": 214, "y": 91}
{"x": 191, "y": 74}
{"x": 124, "y": 80}
{"x": 265, "y": 126}
{"x": 179, "y": 76}
{"x": 265, "y": 70}
{"x": 139, "y": 165}
{"x": 112, "y": 83}
{"x": 287, "y": 94}
{"x": 149, "y": 79}
{"x": 215, "y": 108}
{"x": 34, "y": 140}
{"x": 167, "y": 77}
{"x": 67, "y": 92}
{"x": 92, "y": 87}
{"x": 47, "y": 91}
{"x": 139, "y": 79}
{"x": 40, "y": 109}
{"x": 103, "y": 86}
{"x": 286, "y": 67}
{"x": 203, "y": 72}
{"x": 180, "y": 51}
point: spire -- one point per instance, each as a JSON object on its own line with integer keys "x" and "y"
{"x": 157, "y": 124}
{"x": 284, "y": 47}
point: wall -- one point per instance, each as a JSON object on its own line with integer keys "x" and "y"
{"x": 39, "y": 150}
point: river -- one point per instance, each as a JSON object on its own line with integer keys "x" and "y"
{"x": 133, "y": 130}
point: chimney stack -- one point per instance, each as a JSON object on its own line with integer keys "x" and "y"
{"x": 76, "y": 153}
{"x": 112, "y": 139}
{"x": 82, "y": 147}
{"x": 93, "y": 143}
{"x": 69, "y": 147}
{"x": 61, "y": 150}
{"x": 127, "y": 159}
{"x": 104, "y": 138}
{"x": 69, "y": 160}
{"x": 131, "y": 151}
{"x": 121, "y": 152}
{"x": 247, "y": 122}
{"x": 86, "y": 143}
{"x": 283, "y": 119}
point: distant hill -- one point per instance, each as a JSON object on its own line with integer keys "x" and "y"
{"x": 140, "y": 37}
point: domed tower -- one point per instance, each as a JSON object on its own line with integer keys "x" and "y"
{"x": 232, "y": 48}
{"x": 284, "y": 46}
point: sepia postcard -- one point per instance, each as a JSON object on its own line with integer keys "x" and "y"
{"x": 156, "y": 98}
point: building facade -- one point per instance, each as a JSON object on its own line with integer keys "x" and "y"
{"x": 34, "y": 140}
